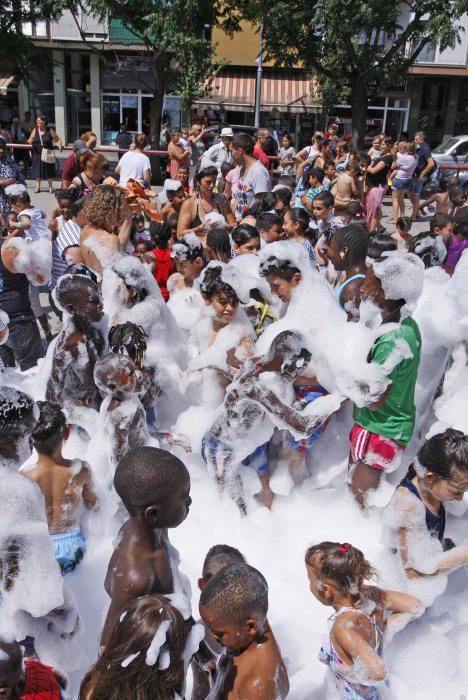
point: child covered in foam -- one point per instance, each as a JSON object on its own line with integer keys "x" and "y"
{"x": 365, "y": 616}
{"x": 122, "y": 414}
{"x": 65, "y": 483}
{"x": 186, "y": 302}
{"x": 415, "y": 519}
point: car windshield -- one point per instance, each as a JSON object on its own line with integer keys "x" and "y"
{"x": 446, "y": 145}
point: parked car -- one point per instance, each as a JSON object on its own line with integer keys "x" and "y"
{"x": 453, "y": 151}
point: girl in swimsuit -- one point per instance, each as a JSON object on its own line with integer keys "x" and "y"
{"x": 202, "y": 202}
{"x": 353, "y": 645}
{"x": 415, "y": 517}
{"x": 347, "y": 250}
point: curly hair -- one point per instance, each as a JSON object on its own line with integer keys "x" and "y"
{"x": 104, "y": 202}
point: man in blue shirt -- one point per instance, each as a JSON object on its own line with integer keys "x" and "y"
{"x": 424, "y": 167}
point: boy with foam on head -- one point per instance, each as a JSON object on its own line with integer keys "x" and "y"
{"x": 66, "y": 485}
{"x": 80, "y": 342}
{"x": 122, "y": 413}
{"x": 234, "y": 605}
{"x": 154, "y": 486}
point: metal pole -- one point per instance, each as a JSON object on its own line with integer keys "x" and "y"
{"x": 258, "y": 84}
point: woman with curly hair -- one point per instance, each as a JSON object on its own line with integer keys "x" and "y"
{"x": 107, "y": 230}
{"x": 144, "y": 658}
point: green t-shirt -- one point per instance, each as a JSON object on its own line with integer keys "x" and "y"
{"x": 396, "y": 418}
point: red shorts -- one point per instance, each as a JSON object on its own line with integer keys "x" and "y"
{"x": 374, "y": 450}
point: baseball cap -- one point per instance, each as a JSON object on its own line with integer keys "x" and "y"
{"x": 80, "y": 146}
{"x": 227, "y": 131}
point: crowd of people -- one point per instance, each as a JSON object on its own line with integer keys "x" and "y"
{"x": 246, "y": 318}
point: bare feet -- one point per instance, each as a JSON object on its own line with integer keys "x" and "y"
{"x": 265, "y": 497}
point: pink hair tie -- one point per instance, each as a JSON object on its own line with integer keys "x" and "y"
{"x": 344, "y": 547}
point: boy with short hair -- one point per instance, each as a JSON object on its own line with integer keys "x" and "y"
{"x": 79, "y": 344}
{"x": 65, "y": 483}
{"x": 270, "y": 227}
{"x": 154, "y": 487}
{"x": 234, "y": 604}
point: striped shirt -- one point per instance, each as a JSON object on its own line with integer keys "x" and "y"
{"x": 68, "y": 236}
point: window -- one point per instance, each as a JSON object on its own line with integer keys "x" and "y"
{"x": 461, "y": 150}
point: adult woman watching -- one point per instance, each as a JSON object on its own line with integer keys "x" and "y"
{"x": 9, "y": 175}
{"x": 94, "y": 171}
{"x": 377, "y": 175}
{"x": 135, "y": 164}
{"x": 43, "y": 137}
{"x": 107, "y": 230}
{"x": 177, "y": 154}
{"x": 202, "y": 202}
{"x": 197, "y": 149}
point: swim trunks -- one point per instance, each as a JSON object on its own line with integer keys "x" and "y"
{"x": 376, "y": 451}
{"x": 305, "y": 395}
{"x": 69, "y": 549}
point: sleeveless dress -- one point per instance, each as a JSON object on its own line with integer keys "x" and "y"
{"x": 347, "y": 685}
{"x": 40, "y": 170}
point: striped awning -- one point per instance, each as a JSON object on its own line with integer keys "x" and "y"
{"x": 5, "y": 80}
{"x": 283, "y": 92}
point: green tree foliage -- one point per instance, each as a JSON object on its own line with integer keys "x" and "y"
{"x": 358, "y": 45}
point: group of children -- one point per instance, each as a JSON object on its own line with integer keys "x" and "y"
{"x": 220, "y": 342}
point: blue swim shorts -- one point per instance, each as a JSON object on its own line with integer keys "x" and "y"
{"x": 306, "y": 394}
{"x": 69, "y": 549}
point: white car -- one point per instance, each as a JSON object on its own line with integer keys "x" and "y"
{"x": 453, "y": 151}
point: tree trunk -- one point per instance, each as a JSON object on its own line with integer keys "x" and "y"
{"x": 358, "y": 111}
{"x": 156, "y": 110}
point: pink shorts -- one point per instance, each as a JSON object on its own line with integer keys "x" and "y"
{"x": 376, "y": 451}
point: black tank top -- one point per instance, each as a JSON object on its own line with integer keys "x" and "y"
{"x": 46, "y": 140}
{"x": 14, "y": 291}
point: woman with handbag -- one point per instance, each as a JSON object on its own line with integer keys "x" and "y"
{"x": 42, "y": 139}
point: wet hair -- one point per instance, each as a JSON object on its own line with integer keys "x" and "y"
{"x": 81, "y": 269}
{"x": 345, "y": 565}
{"x": 218, "y": 240}
{"x": 160, "y": 234}
{"x": 213, "y": 283}
{"x": 317, "y": 173}
{"x": 267, "y": 220}
{"x": 326, "y": 198}
{"x": 245, "y": 142}
{"x": 284, "y": 195}
{"x": 123, "y": 671}
{"x": 355, "y": 238}
{"x": 69, "y": 289}
{"x": 147, "y": 474}
{"x": 218, "y": 557}
{"x": 244, "y": 233}
{"x": 141, "y": 141}
{"x": 424, "y": 245}
{"x": 15, "y": 408}
{"x": 20, "y": 198}
{"x": 50, "y": 427}
{"x": 105, "y": 371}
{"x": 210, "y": 171}
{"x": 226, "y": 168}
{"x": 288, "y": 342}
{"x": 380, "y": 243}
{"x": 104, "y": 202}
{"x": 10, "y": 662}
{"x": 187, "y": 248}
{"x": 404, "y": 223}
{"x": 440, "y": 221}
{"x": 279, "y": 268}
{"x": 299, "y": 216}
{"x": 130, "y": 339}
{"x": 442, "y": 454}
{"x": 237, "y": 593}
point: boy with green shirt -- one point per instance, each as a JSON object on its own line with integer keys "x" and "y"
{"x": 383, "y": 428}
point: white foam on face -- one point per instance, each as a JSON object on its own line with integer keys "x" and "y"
{"x": 401, "y": 276}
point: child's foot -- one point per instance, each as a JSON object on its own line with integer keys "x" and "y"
{"x": 265, "y": 497}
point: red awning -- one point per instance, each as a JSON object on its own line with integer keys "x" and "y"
{"x": 286, "y": 93}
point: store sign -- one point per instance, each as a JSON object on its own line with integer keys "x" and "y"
{"x": 348, "y": 120}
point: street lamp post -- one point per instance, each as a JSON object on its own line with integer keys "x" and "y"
{"x": 258, "y": 83}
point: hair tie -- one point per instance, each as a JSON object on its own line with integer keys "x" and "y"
{"x": 344, "y": 547}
